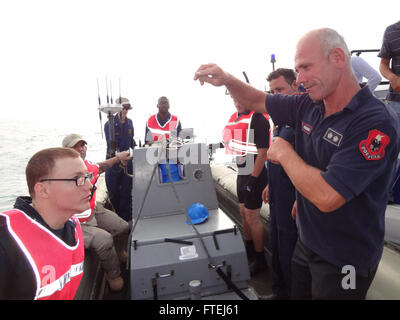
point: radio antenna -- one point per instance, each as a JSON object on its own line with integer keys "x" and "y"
{"x": 108, "y": 100}
{"x": 98, "y": 96}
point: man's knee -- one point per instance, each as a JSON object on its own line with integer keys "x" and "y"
{"x": 242, "y": 210}
{"x": 102, "y": 242}
{"x": 253, "y": 216}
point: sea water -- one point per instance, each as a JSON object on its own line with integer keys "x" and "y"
{"x": 20, "y": 139}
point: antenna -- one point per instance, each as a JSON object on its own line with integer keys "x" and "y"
{"x": 119, "y": 79}
{"x": 108, "y": 100}
{"x": 111, "y": 92}
{"x": 98, "y": 91}
{"x": 245, "y": 76}
{"x": 98, "y": 96}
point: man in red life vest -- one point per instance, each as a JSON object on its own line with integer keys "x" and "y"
{"x": 103, "y": 230}
{"x": 160, "y": 126}
{"x": 41, "y": 243}
{"x": 245, "y": 136}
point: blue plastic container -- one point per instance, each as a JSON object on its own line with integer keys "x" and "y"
{"x": 173, "y": 168}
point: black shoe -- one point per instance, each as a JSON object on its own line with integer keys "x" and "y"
{"x": 258, "y": 265}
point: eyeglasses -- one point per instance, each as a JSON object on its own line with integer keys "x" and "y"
{"x": 80, "y": 181}
{"x": 126, "y": 106}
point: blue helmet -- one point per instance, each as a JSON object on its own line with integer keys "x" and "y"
{"x": 197, "y": 213}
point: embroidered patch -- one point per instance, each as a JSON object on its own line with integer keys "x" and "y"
{"x": 306, "y": 127}
{"x": 373, "y": 148}
{"x": 333, "y": 137}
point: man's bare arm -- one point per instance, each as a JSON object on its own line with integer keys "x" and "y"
{"x": 245, "y": 94}
{"x": 122, "y": 157}
{"x": 260, "y": 161}
{"x": 305, "y": 178}
{"x": 394, "y": 79}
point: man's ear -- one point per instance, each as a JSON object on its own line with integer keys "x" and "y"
{"x": 41, "y": 190}
{"x": 338, "y": 57}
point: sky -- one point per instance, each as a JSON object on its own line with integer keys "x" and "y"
{"x": 52, "y": 52}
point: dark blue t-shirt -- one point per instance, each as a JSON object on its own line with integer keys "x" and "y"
{"x": 356, "y": 150}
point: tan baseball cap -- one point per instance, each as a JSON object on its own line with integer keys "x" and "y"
{"x": 72, "y": 139}
{"x": 125, "y": 102}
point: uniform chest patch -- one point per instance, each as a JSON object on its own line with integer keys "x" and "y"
{"x": 373, "y": 148}
{"x": 306, "y": 127}
{"x": 333, "y": 137}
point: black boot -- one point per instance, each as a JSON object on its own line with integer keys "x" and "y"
{"x": 250, "y": 252}
{"x": 259, "y": 264}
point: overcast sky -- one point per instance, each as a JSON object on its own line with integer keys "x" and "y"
{"x": 53, "y": 51}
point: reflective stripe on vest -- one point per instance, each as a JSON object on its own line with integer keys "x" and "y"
{"x": 237, "y": 136}
{"x": 58, "y": 267}
{"x": 158, "y": 131}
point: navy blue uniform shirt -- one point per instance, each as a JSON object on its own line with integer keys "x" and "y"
{"x": 124, "y": 133}
{"x": 356, "y": 150}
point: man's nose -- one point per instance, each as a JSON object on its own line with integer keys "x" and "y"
{"x": 300, "y": 78}
{"x": 89, "y": 184}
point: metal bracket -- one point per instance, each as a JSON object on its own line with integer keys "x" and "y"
{"x": 221, "y": 232}
{"x": 179, "y": 241}
{"x": 166, "y": 275}
{"x": 154, "y": 281}
{"x": 212, "y": 266}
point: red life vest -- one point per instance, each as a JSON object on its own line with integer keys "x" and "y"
{"x": 58, "y": 267}
{"x": 160, "y": 132}
{"x": 237, "y": 137}
{"x": 94, "y": 168}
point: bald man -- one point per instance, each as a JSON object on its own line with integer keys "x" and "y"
{"x": 347, "y": 142}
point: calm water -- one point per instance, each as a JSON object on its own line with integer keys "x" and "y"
{"x": 20, "y": 139}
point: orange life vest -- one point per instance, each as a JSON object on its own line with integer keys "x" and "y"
{"x": 237, "y": 136}
{"x": 58, "y": 267}
{"x": 94, "y": 168}
{"x": 158, "y": 131}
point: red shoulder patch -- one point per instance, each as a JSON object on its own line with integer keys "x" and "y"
{"x": 373, "y": 148}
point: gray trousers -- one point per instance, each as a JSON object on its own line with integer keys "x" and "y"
{"x": 107, "y": 234}
{"x": 315, "y": 278}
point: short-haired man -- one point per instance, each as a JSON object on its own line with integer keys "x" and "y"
{"x": 119, "y": 185}
{"x": 347, "y": 142}
{"x": 390, "y": 52}
{"x": 281, "y": 196}
{"x": 41, "y": 243}
{"x": 103, "y": 230}
{"x": 161, "y": 124}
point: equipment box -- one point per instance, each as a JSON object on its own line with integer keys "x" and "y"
{"x": 166, "y": 254}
